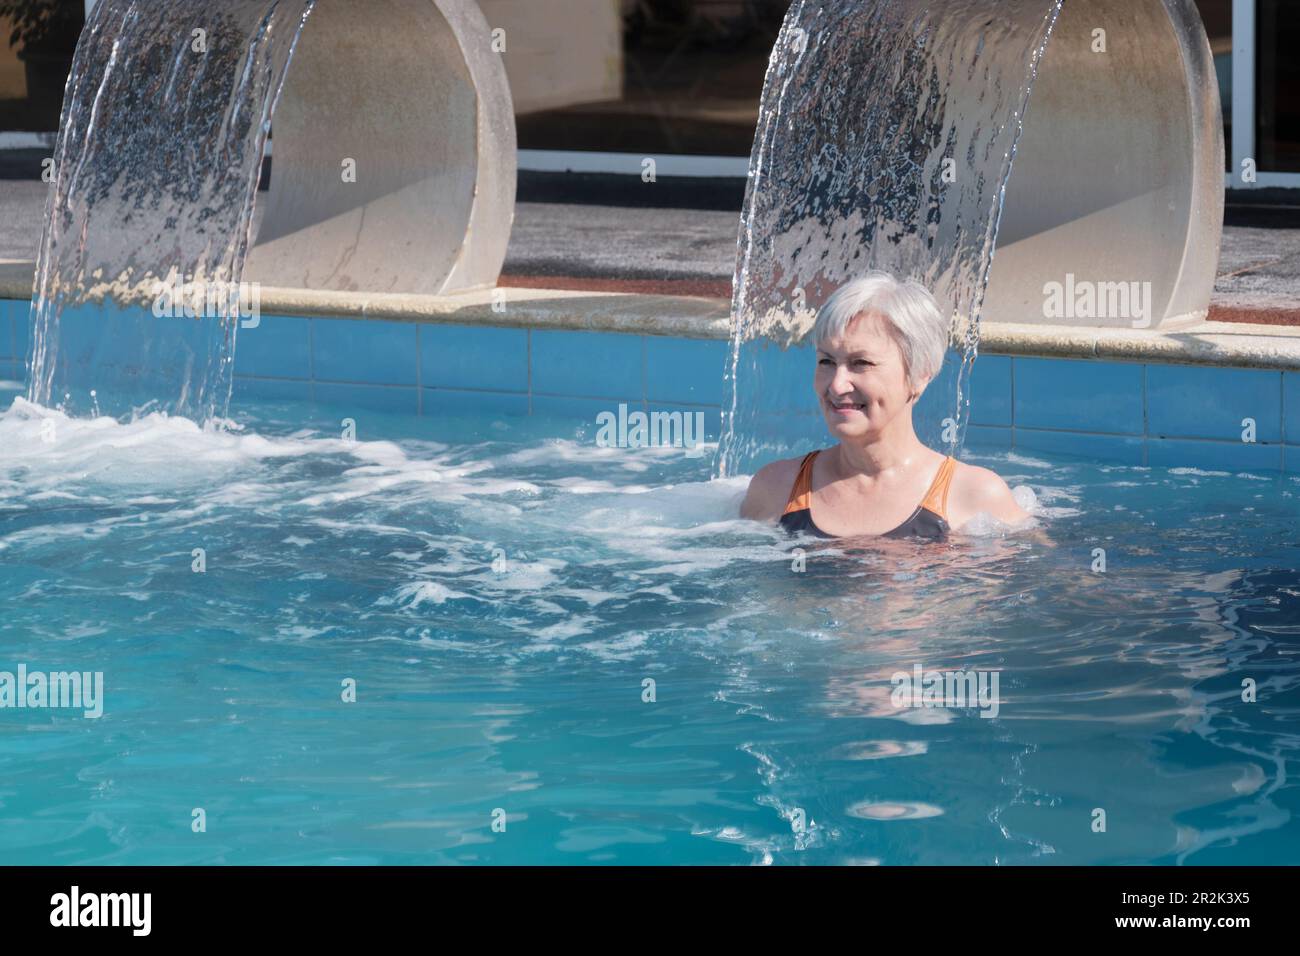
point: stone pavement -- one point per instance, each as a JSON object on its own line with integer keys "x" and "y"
{"x": 692, "y": 252}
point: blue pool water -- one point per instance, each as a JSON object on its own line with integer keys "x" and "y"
{"x": 519, "y": 687}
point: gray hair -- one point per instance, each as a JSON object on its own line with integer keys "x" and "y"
{"x": 919, "y": 328}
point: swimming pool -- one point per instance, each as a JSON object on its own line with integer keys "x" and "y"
{"x": 502, "y": 590}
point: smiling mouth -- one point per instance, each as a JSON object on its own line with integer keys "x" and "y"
{"x": 846, "y": 406}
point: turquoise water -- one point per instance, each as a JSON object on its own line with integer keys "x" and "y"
{"x": 772, "y": 737}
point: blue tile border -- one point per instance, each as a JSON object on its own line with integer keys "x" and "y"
{"x": 466, "y": 357}
{"x": 455, "y": 401}
{"x": 991, "y": 391}
{"x": 280, "y": 346}
{"x": 1122, "y": 449}
{"x": 1291, "y": 407}
{"x": 7, "y": 345}
{"x": 381, "y": 398}
{"x": 364, "y": 352}
{"x": 271, "y": 389}
{"x": 1201, "y": 402}
{"x": 685, "y": 370}
{"x": 579, "y": 409}
{"x": 1078, "y": 395}
{"x": 1139, "y": 413}
{"x": 1214, "y": 455}
{"x": 562, "y": 363}
{"x": 22, "y": 331}
{"x": 989, "y": 438}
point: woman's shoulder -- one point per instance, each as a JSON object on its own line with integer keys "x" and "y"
{"x": 769, "y": 489}
{"x": 975, "y": 490}
{"x": 974, "y": 478}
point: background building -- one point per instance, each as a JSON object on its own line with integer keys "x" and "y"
{"x": 598, "y": 84}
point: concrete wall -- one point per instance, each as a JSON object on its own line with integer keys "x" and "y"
{"x": 560, "y": 52}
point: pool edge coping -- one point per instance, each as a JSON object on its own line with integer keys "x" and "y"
{"x": 1209, "y": 343}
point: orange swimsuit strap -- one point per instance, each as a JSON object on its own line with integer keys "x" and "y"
{"x": 801, "y": 492}
{"x": 936, "y": 499}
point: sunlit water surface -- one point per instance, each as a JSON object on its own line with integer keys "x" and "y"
{"x": 501, "y": 598}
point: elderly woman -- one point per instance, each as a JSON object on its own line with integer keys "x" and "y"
{"x": 879, "y": 343}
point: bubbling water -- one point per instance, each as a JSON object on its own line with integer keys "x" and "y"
{"x": 502, "y": 601}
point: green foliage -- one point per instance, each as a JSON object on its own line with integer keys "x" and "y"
{"x": 44, "y": 25}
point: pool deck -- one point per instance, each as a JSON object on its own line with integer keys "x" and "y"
{"x": 668, "y": 272}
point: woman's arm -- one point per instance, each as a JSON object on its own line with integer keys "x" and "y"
{"x": 978, "y": 491}
{"x": 769, "y": 490}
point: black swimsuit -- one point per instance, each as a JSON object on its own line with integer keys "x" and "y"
{"x": 928, "y": 521}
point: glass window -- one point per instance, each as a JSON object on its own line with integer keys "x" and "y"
{"x": 1217, "y": 17}
{"x": 640, "y": 76}
{"x": 1277, "y": 86}
{"x": 37, "y": 40}
{"x": 675, "y": 76}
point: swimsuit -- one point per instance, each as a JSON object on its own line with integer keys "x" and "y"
{"x": 929, "y": 520}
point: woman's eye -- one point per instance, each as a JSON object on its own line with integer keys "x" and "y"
{"x": 825, "y": 362}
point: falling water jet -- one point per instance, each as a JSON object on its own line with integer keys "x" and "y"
{"x": 160, "y": 146}
{"x": 866, "y": 158}
{"x": 165, "y": 123}
{"x": 886, "y": 138}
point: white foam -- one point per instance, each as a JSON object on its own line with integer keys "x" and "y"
{"x": 156, "y": 450}
{"x": 1019, "y": 458}
{"x": 1025, "y": 498}
{"x": 570, "y": 627}
{"x": 625, "y": 647}
{"x": 985, "y": 525}
{"x": 424, "y": 592}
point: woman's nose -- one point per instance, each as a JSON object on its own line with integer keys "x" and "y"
{"x": 841, "y": 383}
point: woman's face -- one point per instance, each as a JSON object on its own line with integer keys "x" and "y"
{"x": 860, "y": 381}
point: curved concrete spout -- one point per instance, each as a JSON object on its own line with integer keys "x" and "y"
{"x": 394, "y": 153}
{"x": 1118, "y": 177}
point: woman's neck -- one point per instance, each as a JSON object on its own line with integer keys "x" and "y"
{"x": 882, "y": 454}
